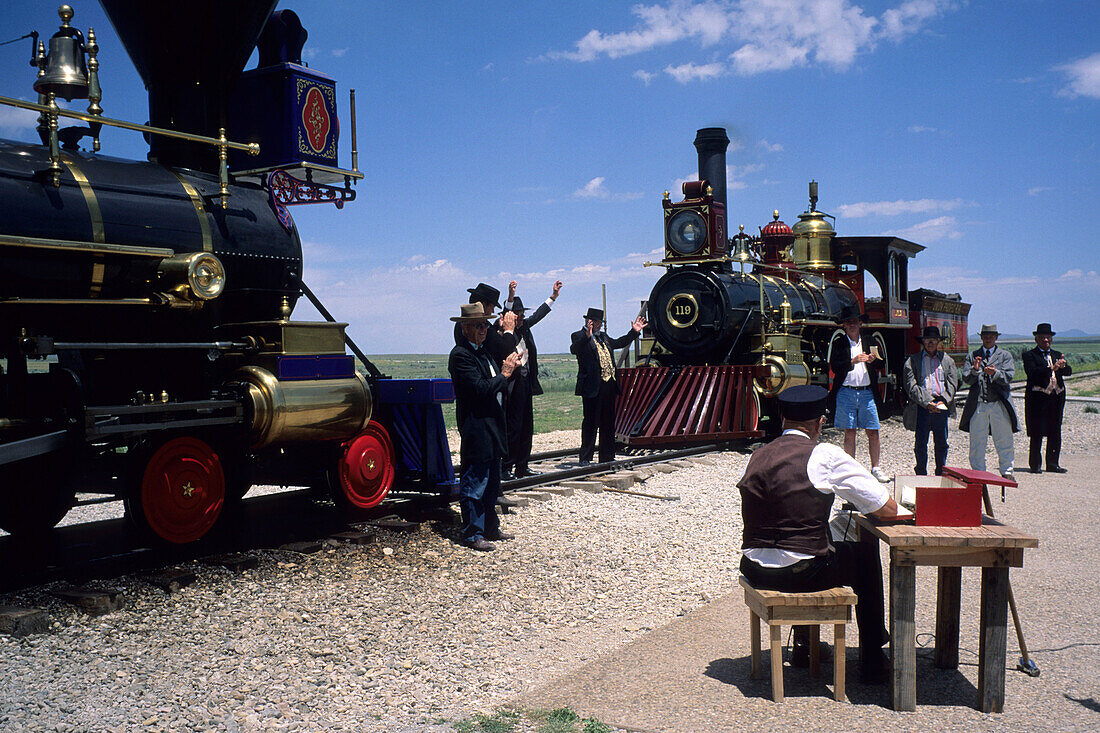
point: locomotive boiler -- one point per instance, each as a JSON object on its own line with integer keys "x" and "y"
{"x": 736, "y": 320}
{"x": 146, "y": 338}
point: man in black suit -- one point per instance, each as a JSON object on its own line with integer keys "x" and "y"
{"x": 479, "y": 409}
{"x": 1045, "y": 399}
{"x": 596, "y": 382}
{"x": 524, "y": 383}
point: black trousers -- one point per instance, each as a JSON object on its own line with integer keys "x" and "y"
{"x": 855, "y": 564}
{"x": 521, "y": 425}
{"x": 1043, "y": 413}
{"x": 599, "y": 414}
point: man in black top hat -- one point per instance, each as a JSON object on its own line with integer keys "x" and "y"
{"x": 596, "y": 382}
{"x": 524, "y": 383}
{"x": 1045, "y": 399}
{"x": 489, "y": 298}
{"x": 930, "y": 379}
{"x": 787, "y": 492}
{"x": 479, "y": 410}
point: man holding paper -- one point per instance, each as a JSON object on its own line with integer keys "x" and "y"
{"x": 930, "y": 379}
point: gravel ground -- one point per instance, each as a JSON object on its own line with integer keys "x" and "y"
{"x": 418, "y": 632}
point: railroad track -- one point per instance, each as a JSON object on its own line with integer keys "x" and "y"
{"x": 109, "y": 548}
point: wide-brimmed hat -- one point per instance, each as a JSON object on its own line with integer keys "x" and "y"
{"x": 484, "y": 293}
{"x": 931, "y": 332}
{"x": 849, "y": 312}
{"x": 989, "y": 329}
{"x": 594, "y": 314}
{"x": 517, "y": 305}
{"x": 470, "y": 313}
{"x": 803, "y": 402}
{"x": 1043, "y": 329}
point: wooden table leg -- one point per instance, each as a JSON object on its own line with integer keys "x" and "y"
{"x": 903, "y": 639}
{"x": 992, "y": 630}
{"x": 777, "y": 663}
{"x": 839, "y": 653}
{"x": 754, "y": 643}
{"x": 947, "y": 617}
{"x": 815, "y": 650}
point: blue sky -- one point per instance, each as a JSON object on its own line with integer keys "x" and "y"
{"x": 533, "y": 141}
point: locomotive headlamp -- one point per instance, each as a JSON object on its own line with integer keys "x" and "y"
{"x": 687, "y": 232}
{"x": 195, "y": 276}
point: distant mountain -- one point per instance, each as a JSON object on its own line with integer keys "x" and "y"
{"x": 1069, "y": 333}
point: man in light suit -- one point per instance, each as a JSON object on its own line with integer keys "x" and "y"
{"x": 479, "y": 409}
{"x": 930, "y": 379}
{"x": 1045, "y": 399}
{"x": 524, "y": 383}
{"x": 988, "y": 410}
{"x": 596, "y": 383}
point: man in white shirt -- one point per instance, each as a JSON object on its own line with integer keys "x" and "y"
{"x": 786, "y": 495}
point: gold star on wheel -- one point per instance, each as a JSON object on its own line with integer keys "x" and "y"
{"x": 370, "y": 464}
{"x": 188, "y": 489}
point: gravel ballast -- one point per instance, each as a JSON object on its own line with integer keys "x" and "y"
{"x": 416, "y": 632}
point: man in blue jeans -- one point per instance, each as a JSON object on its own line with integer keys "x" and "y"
{"x": 479, "y": 410}
{"x": 930, "y": 378}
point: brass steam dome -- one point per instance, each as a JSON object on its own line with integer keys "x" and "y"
{"x": 813, "y": 236}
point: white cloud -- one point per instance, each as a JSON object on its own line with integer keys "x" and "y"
{"x": 1036, "y": 190}
{"x": 771, "y": 147}
{"x": 13, "y": 119}
{"x": 830, "y": 33}
{"x": 1084, "y": 77}
{"x": 893, "y": 208}
{"x": 921, "y": 128}
{"x": 595, "y": 189}
{"x": 933, "y": 230}
{"x": 689, "y": 72}
{"x": 645, "y": 76}
{"x": 339, "y": 52}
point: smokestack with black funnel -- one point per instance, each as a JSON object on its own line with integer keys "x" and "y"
{"x": 189, "y": 54}
{"x": 711, "y": 142}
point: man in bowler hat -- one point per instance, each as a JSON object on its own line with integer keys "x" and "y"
{"x": 787, "y": 492}
{"x": 1045, "y": 399}
{"x": 479, "y": 409}
{"x": 596, "y": 383}
{"x": 930, "y": 379}
{"x": 988, "y": 410}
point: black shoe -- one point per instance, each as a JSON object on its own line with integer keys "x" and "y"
{"x": 1035, "y": 470}
{"x": 800, "y": 654}
{"x": 875, "y": 668}
{"x": 920, "y": 471}
{"x": 507, "y": 476}
{"x": 524, "y": 473}
{"x": 500, "y": 536}
{"x": 1056, "y": 469}
{"x": 481, "y": 545}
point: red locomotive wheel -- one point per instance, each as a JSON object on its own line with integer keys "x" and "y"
{"x": 366, "y": 469}
{"x": 182, "y": 490}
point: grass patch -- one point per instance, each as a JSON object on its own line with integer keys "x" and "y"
{"x": 1091, "y": 409}
{"x": 502, "y": 721}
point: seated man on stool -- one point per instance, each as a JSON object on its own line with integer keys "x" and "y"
{"x": 786, "y": 494}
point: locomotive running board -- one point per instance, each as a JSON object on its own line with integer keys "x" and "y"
{"x": 685, "y": 406}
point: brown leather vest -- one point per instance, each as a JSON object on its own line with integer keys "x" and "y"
{"x": 780, "y": 507}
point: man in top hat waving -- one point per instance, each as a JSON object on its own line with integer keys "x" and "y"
{"x": 930, "y": 378}
{"x": 1045, "y": 399}
{"x": 596, "y": 382}
{"x": 479, "y": 410}
{"x": 524, "y": 383}
{"x": 988, "y": 410}
{"x": 786, "y": 495}
{"x": 854, "y": 393}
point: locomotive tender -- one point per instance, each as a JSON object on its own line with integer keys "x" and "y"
{"x": 734, "y": 321}
{"x": 145, "y": 306}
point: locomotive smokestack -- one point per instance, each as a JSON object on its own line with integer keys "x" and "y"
{"x": 711, "y": 142}
{"x": 189, "y": 55}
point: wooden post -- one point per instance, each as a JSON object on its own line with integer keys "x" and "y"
{"x": 839, "y": 654}
{"x": 777, "y": 662}
{"x": 754, "y": 637}
{"x": 992, "y": 629}
{"x": 947, "y": 617}
{"x": 815, "y": 650}
{"x": 903, "y": 640}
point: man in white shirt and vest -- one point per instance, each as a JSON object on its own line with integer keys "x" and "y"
{"x": 787, "y": 491}
{"x": 988, "y": 409}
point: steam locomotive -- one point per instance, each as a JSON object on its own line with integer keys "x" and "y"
{"x": 146, "y": 335}
{"x": 768, "y": 307}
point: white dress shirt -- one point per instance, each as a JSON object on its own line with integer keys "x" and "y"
{"x": 857, "y": 376}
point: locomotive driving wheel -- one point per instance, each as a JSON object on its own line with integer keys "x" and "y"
{"x": 365, "y": 471}
{"x": 181, "y": 491}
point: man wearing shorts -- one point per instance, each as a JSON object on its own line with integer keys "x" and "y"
{"x": 855, "y": 387}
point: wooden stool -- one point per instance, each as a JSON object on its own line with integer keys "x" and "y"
{"x": 832, "y": 606}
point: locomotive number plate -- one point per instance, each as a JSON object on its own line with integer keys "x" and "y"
{"x": 682, "y": 310}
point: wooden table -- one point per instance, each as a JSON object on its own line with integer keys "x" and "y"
{"x": 994, "y": 547}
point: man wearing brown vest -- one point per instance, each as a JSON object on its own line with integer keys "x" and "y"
{"x": 787, "y": 492}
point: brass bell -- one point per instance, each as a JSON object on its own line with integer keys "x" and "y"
{"x": 66, "y": 74}
{"x": 742, "y": 246}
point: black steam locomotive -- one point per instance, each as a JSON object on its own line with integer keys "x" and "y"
{"x": 767, "y": 305}
{"x": 148, "y": 350}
